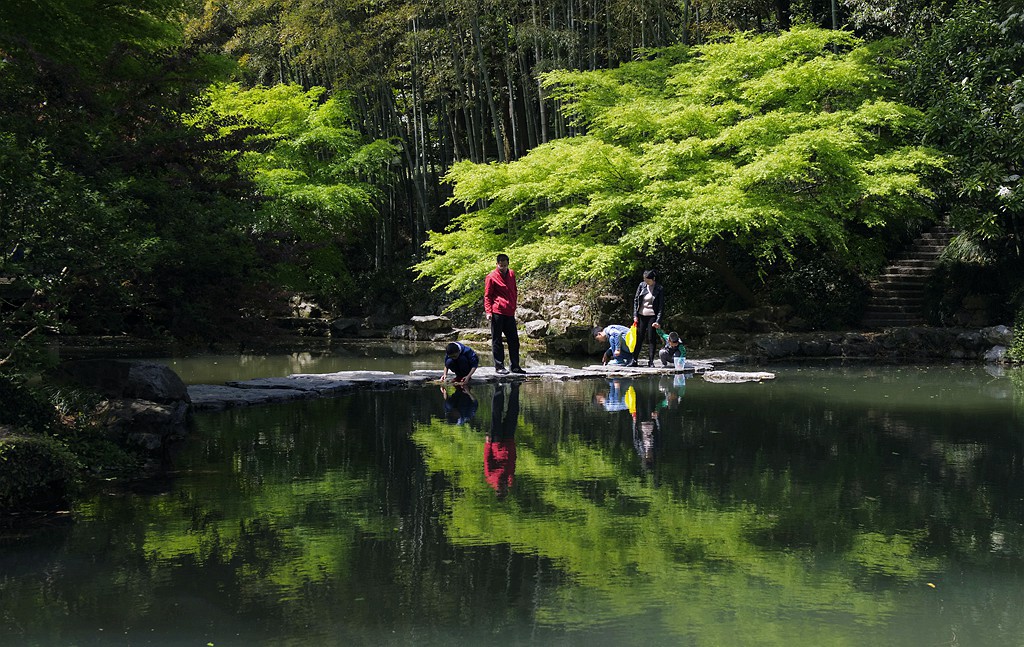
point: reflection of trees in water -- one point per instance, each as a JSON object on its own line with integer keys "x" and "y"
{"x": 765, "y": 506}
{"x": 750, "y": 486}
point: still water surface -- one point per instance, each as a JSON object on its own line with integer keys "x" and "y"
{"x": 833, "y": 506}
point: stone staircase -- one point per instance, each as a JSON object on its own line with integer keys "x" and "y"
{"x": 897, "y": 294}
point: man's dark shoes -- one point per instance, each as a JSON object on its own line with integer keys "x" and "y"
{"x": 518, "y": 369}
{"x": 631, "y": 362}
{"x": 501, "y": 370}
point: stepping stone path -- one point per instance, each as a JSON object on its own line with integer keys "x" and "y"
{"x": 303, "y": 386}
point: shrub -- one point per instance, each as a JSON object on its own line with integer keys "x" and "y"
{"x": 24, "y": 406}
{"x": 822, "y": 292}
{"x": 1016, "y": 352}
{"x": 36, "y": 472}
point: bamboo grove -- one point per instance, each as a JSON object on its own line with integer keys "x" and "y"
{"x": 454, "y": 79}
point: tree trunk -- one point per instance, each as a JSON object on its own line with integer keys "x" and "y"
{"x": 495, "y": 119}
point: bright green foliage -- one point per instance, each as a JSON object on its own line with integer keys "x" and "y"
{"x": 764, "y": 144}
{"x": 1016, "y": 351}
{"x": 317, "y": 178}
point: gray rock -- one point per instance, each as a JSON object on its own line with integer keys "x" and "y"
{"x": 303, "y": 308}
{"x": 995, "y": 355}
{"x": 998, "y": 335}
{"x": 558, "y": 326}
{"x": 431, "y": 323}
{"x": 536, "y": 329}
{"x": 405, "y": 331}
{"x": 776, "y": 347}
{"x": 346, "y": 326}
{"x": 474, "y": 334}
{"x": 117, "y": 378}
{"x": 145, "y": 424}
{"x": 971, "y": 340}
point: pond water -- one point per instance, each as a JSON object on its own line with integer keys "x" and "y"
{"x": 832, "y": 506}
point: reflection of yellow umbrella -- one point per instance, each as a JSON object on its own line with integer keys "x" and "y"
{"x": 631, "y": 400}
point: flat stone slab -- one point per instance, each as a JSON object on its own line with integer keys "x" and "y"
{"x": 216, "y": 396}
{"x": 695, "y": 366}
{"x": 734, "y": 377}
{"x": 301, "y": 386}
{"x": 328, "y": 383}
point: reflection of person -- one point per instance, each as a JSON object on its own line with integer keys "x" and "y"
{"x": 645, "y": 429}
{"x": 615, "y": 335}
{"x": 500, "y": 296}
{"x": 673, "y": 348}
{"x": 614, "y": 399}
{"x": 647, "y": 308}
{"x": 460, "y": 360}
{"x": 500, "y": 444}
{"x": 646, "y": 425}
{"x": 459, "y": 406}
{"x": 679, "y": 382}
{"x": 671, "y": 391}
{"x": 644, "y": 440}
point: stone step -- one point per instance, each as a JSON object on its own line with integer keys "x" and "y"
{"x": 883, "y": 314}
{"x": 894, "y": 297}
{"x": 907, "y": 284}
{"x": 892, "y": 311}
{"x": 897, "y": 294}
{"x": 915, "y": 262}
{"x": 884, "y": 324}
{"x": 881, "y": 322}
{"x": 901, "y": 282}
{"x": 894, "y": 300}
{"x": 926, "y": 250}
{"x": 907, "y": 272}
{"x": 893, "y": 323}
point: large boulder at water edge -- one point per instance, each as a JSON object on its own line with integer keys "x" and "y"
{"x": 147, "y": 404}
{"x": 118, "y": 378}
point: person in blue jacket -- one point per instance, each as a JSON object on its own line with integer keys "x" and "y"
{"x": 460, "y": 360}
{"x": 615, "y": 335}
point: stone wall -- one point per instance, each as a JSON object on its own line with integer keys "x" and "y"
{"x": 908, "y": 344}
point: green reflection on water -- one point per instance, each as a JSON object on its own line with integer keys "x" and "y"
{"x": 832, "y": 506}
{"x": 632, "y": 546}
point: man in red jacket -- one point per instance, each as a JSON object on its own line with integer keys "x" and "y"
{"x": 500, "y": 295}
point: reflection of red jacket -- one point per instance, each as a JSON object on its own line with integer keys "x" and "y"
{"x": 500, "y": 293}
{"x": 500, "y": 462}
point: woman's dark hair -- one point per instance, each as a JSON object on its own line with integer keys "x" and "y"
{"x": 596, "y": 331}
{"x": 650, "y": 274}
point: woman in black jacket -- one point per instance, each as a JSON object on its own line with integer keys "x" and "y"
{"x": 648, "y": 305}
